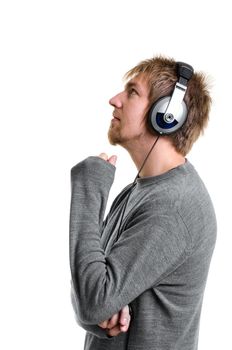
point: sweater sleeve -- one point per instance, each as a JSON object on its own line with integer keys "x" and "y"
{"x": 85, "y": 179}
{"x": 151, "y": 246}
{"x": 93, "y": 329}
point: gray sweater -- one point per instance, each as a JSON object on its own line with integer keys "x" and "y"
{"x": 159, "y": 264}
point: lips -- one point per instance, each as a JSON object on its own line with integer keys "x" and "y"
{"x": 115, "y": 116}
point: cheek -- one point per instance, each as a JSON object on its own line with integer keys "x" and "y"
{"x": 139, "y": 119}
{"x": 135, "y": 127}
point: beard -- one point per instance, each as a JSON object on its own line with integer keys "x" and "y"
{"x": 114, "y": 135}
{"x": 117, "y": 137}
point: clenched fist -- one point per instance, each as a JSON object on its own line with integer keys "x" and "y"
{"x": 112, "y": 160}
{"x": 118, "y": 323}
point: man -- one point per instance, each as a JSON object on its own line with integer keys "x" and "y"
{"x": 152, "y": 252}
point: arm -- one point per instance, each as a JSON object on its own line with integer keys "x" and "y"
{"x": 93, "y": 329}
{"x": 118, "y": 323}
{"x": 103, "y": 285}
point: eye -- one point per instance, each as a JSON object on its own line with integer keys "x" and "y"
{"x": 132, "y": 91}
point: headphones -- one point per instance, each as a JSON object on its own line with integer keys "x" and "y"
{"x": 169, "y": 113}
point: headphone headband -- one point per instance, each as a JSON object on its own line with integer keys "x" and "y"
{"x": 184, "y": 71}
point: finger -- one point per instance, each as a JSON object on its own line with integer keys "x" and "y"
{"x": 113, "y": 321}
{"x": 124, "y": 315}
{"x": 103, "y": 156}
{"x": 103, "y": 324}
{"x": 114, "y": 331}
{"x": 124, "y": 319}
{"x": 125, "y": 327}
{"x": 112, "y": 160}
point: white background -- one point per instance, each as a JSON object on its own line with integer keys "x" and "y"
{"x": 60, "y": 62}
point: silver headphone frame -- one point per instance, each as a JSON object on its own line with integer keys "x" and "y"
{"x": 173, "y": 108}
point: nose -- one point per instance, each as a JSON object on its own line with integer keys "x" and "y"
{"x": 116, "y": 101}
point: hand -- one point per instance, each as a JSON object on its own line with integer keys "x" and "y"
{"x": 112, "y": 160}
{"x": 118, "y": 323}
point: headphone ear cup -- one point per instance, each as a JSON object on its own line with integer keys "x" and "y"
{"x": 160, "y": 106}
{"x": 156, "y": 116}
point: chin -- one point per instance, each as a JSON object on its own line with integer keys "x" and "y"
{"x": 113, "y": 137}
{"x": 112, "y": 140}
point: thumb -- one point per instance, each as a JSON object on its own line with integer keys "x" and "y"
{"x": 112, "y": 160}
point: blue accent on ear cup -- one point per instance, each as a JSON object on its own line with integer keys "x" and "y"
{"x": 161, "y": 122}
{"x": 156, "y": 114}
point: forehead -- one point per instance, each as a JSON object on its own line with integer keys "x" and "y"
{"x": 140, "y": 82}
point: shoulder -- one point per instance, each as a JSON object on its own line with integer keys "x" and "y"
{"x": 120, "y": 197}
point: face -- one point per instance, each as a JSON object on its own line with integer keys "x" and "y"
{"x": 130, "y": 109}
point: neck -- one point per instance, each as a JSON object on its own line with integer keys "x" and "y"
{"x": 162, "y": 158}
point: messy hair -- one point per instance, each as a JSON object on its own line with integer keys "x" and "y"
{"x": 161, "y": 75}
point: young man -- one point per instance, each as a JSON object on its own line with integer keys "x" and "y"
{"x": 153, "y": 251}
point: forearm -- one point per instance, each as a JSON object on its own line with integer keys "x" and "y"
{"x": 93, "y": 329}
{"x": 91, "y": 181}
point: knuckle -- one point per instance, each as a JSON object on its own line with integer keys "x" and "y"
{"x": 103, "y": 155}
{"x": 103, "y": 325}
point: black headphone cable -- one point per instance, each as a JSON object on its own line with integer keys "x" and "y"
{"x": 132, "y": 187}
